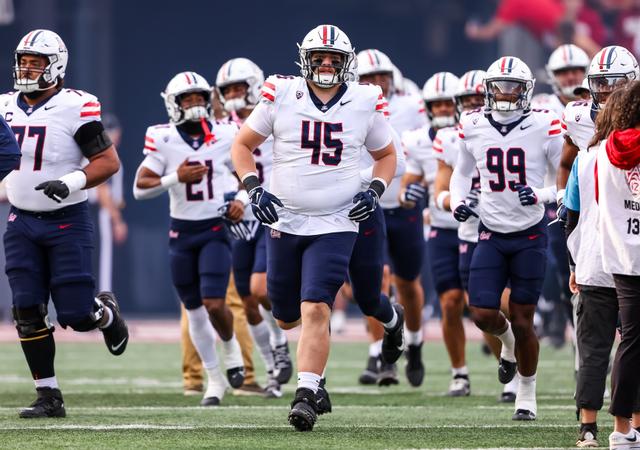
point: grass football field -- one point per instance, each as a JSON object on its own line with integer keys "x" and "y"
{"x": 136, "y": 401}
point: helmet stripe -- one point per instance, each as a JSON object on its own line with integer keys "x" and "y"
{"x": 510, "y": 64}
{"x": 26, "y": 40}
{"x": 377, "y": 58}
{"x": 370, "y": 55}
{"x": 570, "y": 53}
{"x": 610, "y": 57}
{"x": 333, "y": 35}
{"x": 444, "y": 78}
{"x": 602, "y": 54}
{"x": 229, "y": 68}
{"x": 195, "y": 80}
{"x": 504, "y": 61}
{"x": 473, "y": 78}
{"x": 466, "y": 81}
{"x": 437, "y": 80}
{"x": 186, "y": 75}
{"x": 324, "y": 34}
{"x": 35, "y": 36}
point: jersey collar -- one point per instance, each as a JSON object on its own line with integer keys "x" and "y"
{"x": 432, "y": 133}
{"x": 324, "y": 107}
{"x": 194, "y": 143}
{"x": 504, "y": 129}
{"x": 28, "y": 110}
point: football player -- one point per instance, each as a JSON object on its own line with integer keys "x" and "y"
{"x": 512, "y": 147}
{"x": 238, "y": 84}
{"x": 403, "y": 226}
{"x": 48, "y": 241}
{"x": 319, "y": 123}
{"x": 189, "y": 157}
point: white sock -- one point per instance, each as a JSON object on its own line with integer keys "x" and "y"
{"x": 260, "y": 334}
{"x": 203, "y": 336}
{"x": 512, "y": 386}
{"x": 232, "y": 353}
{"x": 413, "y": 337}
{"x": 276, "y": 334}
{"x": 460, "y": 371}
{"x": 105, "y": 312}
{"x": 526, "y": 396}
{"x": 508, "y": 344}
{"x": 393, "y": 322}
{"x": 216, "y": 384}
{"x": 309, "y": 380}
{"x": 51, "y": 382}
{"x": 375, "y": 348}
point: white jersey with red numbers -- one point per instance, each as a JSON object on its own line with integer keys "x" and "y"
{"x": 166, "y": 147}
{"x": 618, "y": 196}
{"x": 548, "y": 101}
{"x": 421, "y": 161}
{"x": 578, "y": 123}
{"x": 507, "y": 155}
{"x": 45, "y": 133}
{"x": 446, "y": 146}
{"x": 317, "y": 150}
{"x": 406, "y": 112}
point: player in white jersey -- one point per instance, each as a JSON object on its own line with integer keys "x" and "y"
{"x": 617, "y": 194}
{"x": 438, "y": 95}
{"x": 512, "y": 147}
{"x": 238, "y": 83}
{"x": 319, "y": 122}
{"x": 189, "y": 157}
{"x": 48, "y": 241}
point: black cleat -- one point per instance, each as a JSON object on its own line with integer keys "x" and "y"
{"x": 115, "y": 335}
{"x": 414, "y": 368}
{"x": 303, "y": 412}
{"x": 210, "y": 401}
{"x": 388, "y": 375}
{"x": 506, "y": 370}
{"x": 370, "y": 374}
{"x": 507, "y": 397}
{"x": 283, "y": 366}
{"x": 235, "y": 376}
{"x": 49, "y": 403}
{"x": 393, "y": 341}
{"x": 323, "y": 402}
{"x": 588, "y": 436}
{"x": 524, "y": 414}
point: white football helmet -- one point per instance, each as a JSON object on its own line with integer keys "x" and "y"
{"x": 509, "y": 75}
{"x": 327, "y": 38}
{"x": 565, "y": 57}
{"x": 611, "y": 68}
{"x": 471, "y": 83}
{"x": 186, "y": 83}
{"x": 240, "y": 70}
{"x": 441, "y": 86}
{"x": 398, "y": 80}
{"x": 410, "y": 87}
{"x": 44, "y": 43}
{"x": 373, "y": 61}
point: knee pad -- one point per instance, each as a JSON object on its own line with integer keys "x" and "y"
{"x": 32, "y": 322}
{"x": 86, "y": 322}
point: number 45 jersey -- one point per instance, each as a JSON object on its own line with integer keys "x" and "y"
{"x": 317, "y": 150}
{"x": 46, "y": 135}
{"x": 507, "y": 155}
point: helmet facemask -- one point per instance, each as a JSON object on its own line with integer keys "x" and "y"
{"x": 515, "y": 95}
{"x": 195, "y": 113}
{"x": 310, "y": 63}
{"x": 43, "y": 82}
{"x": 601, "y": 86}
{"x": 238, "y": 103}
{"x": 438, "y": 122}
{"x": 468, "y": 102}
{"x": 568, "y": 90}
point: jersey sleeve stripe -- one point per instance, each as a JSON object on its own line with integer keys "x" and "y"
{"x": 555, "y": 122}
{"x": 461, "y": 135}
{"x": 89, "y": 113}
{"x": 268, "y": 96}
{"x": 91, "y": 104}
{"x": 564, "y": 126}
{"x": 437, "y": 148}
{"x": 269, "y": 85}
{"x": 153, "y": 149}
{"x": 149, "y": 139}
{"x": 555, "y": 131}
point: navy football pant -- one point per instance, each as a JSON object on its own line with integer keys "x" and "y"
{"x": 405, "y": 241}
{"x": 465, "y": 251}
{"x": 444, "y": 257}
{"x": 248, "y": 257}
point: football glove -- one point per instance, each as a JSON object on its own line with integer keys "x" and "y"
{"x": 473, "y": 198}
{"x": 463, "y": 212}
{"x": 526, "y": 195}
{"x": 262, "y": 205}
{"x": 414, "y": 192}
{"x": 366, "y": 203}
{"x": 55, "y": 189}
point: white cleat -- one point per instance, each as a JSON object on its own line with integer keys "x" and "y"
{"x": 629, "y": 441}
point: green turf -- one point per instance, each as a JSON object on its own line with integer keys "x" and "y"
{"x": 136, "y": 401}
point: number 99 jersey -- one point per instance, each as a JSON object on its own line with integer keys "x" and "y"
{"x": 507, "y": 155}
{"x": 166, "y": 147}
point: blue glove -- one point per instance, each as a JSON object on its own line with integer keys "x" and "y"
{"x": 526, "y": 195}
{"x": 366, "y": 204}
{"x": 463, "y": 212}
{"x": 414, "y": 192}
{"x": 262, "y": 205}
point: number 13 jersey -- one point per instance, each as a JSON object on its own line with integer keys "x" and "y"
{"x": 507, "y": 155}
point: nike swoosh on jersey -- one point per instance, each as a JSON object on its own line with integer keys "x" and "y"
{"x": 116, "y": 347}
{"x": 344, "y": 103}
{"x": 47, "y": 108}
{"x": 522, "y": 127}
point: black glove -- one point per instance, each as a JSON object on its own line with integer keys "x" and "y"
{"x": 414, "y": 192}
{"x": 262, "y": 205}
{"x": 526, "y": 195}
{"x": 463, "y": 212}
{"x": 473, "y": 198}
{"x": 55, "y": 189}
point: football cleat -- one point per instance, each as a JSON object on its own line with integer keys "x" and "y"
{"x": 370, "y": 374}
{"x": 116, "y": 335}
{"x": 619, "y": 441}
{"x": 388, "y": 375}
{"x": 48, "y": 403}
{"x": 284, "y": 367}
{"x": 588, "y": 437}
{"x": 506, "y": 370}
{"x": 523, "y": 414}
{"x": 414, "y": 368}
{"x": 460, "y": 386}
{"x": 235, "y": 376}
{"x": 210, "y": 401}
{"x": 507, "y": 397}
{"x": 303, "y": 412}
{"x": 273, "y": 389}
{"x": 323, "y": 402}
{"x": 393, "y": 341}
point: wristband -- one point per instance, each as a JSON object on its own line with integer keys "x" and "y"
{"x": 75, "y": 180}
{"x": 442, "y": 196}
{"x": 378, "y": 185}
{"x": 243, "y": 197}
{"x": 250, "y": 181}
{"x": 560, "y": 195}
{"x": 169, "y": 180}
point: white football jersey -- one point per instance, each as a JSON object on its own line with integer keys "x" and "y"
{"x": 446, "y": 146}
{"x": 506, "y": 155}
{"x": 421, "y": 161}
{"x": 578, "y": 123}
{"x": 548, "y": 101}
{"x": 406, "y": 112}
{"x": 317, "y": 150}
{"x": 166, "y": 147}
{"x": 45, "y": 134}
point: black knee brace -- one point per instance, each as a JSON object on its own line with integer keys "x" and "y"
{"x": 32, "y": 322}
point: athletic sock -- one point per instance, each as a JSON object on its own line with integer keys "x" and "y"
{"x": 526, "y": 397}
{"x": 50, "y": 382}
{"x": 107, "y": 315}
{"x": 309, "y": 380}
{"x": 276, "y": 334}
{"x": 203, "y": 336}
{"x": 232, "y": 353}
{"x": 413, "y": 337}
{"x": 460, "y": 372}
{"x": 512, "y": 386}
{"x": 375, "y": 348}
{"x": 508, "y": 344}
{"x": 260, "y": 334}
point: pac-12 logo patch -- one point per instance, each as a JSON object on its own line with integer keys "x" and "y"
{"x": 298, "y": 95}
{"x": 12, "y": 217}
{"x": 633, "y": 181}
{"x": 578, "y": 117}
{"x": 485, "y": 235}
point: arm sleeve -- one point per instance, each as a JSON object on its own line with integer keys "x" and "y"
{"x": 572, "y": 192}
{"x": 378, "y": 134}
{"x": 145, "y": 194}
{"x": 9, "y": 150}
{"x": 261, "y": 119}
{"x": 462, "y": 176}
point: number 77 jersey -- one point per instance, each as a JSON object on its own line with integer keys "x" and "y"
{"x": 508, "y": 155}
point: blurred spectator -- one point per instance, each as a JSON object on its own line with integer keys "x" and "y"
{"x": 582, "y": 25}
{"x": 627, "y": 27}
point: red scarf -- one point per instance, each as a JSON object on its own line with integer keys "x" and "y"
{"x": 623, "y": 148}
